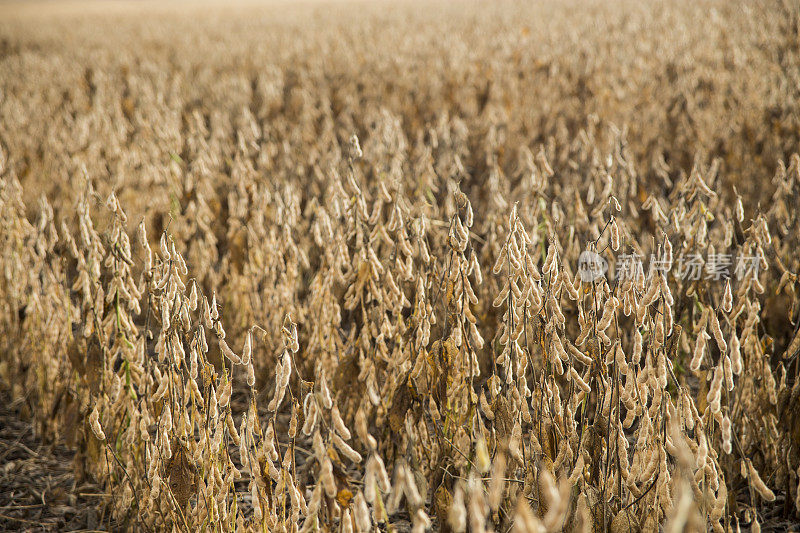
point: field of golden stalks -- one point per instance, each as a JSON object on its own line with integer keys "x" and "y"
{"x": 367, "y": 266}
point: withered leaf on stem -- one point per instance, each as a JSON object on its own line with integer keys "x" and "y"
{"x": 94, "y": 365}
{"x": 182, "y": 474}
{"x": 442, "y": 502}
{"x": 400, "y": 405}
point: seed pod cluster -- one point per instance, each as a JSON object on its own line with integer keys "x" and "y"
{"x": 274, "y": 281}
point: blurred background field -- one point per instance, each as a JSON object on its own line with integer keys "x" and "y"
{"x": 287, "y": 266}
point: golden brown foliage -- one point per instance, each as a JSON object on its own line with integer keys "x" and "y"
{"x": 314, "y": 268}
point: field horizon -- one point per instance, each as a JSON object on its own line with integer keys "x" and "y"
{"x": 358, "y": 265}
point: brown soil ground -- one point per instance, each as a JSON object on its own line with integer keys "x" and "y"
{"x": 37, "y": 485}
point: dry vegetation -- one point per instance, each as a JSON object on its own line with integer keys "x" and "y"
{"x": 316, "y": 268}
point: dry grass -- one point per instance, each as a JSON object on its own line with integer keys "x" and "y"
{"x": 283, "y": 268}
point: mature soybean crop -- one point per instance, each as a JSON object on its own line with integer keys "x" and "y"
{"x": 367, "y": 266}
